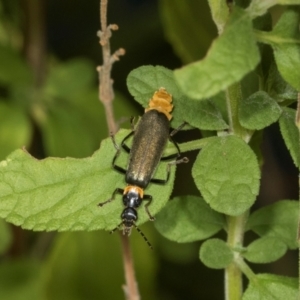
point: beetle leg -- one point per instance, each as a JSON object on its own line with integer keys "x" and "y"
{"x": 149, "y": 199}
{"x": 117, "y": 190}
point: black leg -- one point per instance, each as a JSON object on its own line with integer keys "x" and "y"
{"x": 117, "y": 190}
{"x": 174, "y": 162}
{"x": 124, "y": 146}
{"x": 116, "y": 167}
{"x": 174, "y": 143}
{"x": 149, "y": 199}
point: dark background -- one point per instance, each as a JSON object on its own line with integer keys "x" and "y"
{"x": 70, "y": 31}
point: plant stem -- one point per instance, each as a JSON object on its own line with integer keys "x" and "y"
{"x": 233, "y": 274}
{"x": 106, "y": 93}
{"x": 34, "y": 39}
{"x": 106, "y": 96}
{"x": 131, "y": 288}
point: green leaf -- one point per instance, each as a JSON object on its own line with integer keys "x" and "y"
{"x": 290, "y": 133}
{"x": 228, "y": 60}
{"x": 62, "y": 194}
{"x": 215, "y": 254}
{"x": 144, "y": 81}
{"x": 190, "y": 41}
{"x": 15, "y": 129}
{"x": 20, "y": 280}
{"x": 220, "y": 13}
{"x": 272, "y": 287}
{"x": 259, "y": 8}
{"x": 14, "y": 70}
{"x": 202, "y": 114}
{"x": 67, "y": 80}
{"x": 258, "y": 111}
{"x": 278, "y": 88}
{"x": 5, "y": 236}
{"x": 188, "y": 219}
{"x": 279, "y": 220}
{"x": 227, "y": 174}
{"x": 265, "y": 250}
{"x": 285, "y": 41}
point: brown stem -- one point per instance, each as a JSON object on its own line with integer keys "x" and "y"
{"x": 106, "y": 93}
{"x": 106, "y": 96}
{"x": 34, "y": 38}
{"x": 131, "y": 288}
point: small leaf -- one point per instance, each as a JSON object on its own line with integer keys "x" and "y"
{"x": 284, "y": 40}
{"x": 62, "y": 194}
{"x": 259, "y": 8}
{"x": 227, "y": 174}
{"x": 144, "y": 81}
{"x": 188, "y": 219}
{"x": 265, "y": 250}
{"x": 278, "y": 88}
{"x": 15, "y": 129}
{"x": 228, "y": 60}
{"x": 190, "y": 41}
{"x": 279, "y": 220}
{"x": 258, "y": 111}
{"x": 271, "y": 287}
{"x": 202, "y": 114}
{"x": 215, "y": 254}
{"x": 290, "y": 133}
{"x": 220, "y": 13}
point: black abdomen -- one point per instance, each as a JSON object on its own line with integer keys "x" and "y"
{"x": 150, "y": 138}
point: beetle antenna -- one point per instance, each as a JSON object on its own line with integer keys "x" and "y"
{"x": 142, "y": 234}
{"x": 118, "y": 227}
{"x": 139, "y": 231}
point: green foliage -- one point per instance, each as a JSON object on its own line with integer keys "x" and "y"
{"x": 238, "y": 89}
{"x": 34, "y": 199}
{"x": 284, "y": 39}
{"x": 229, "y": 59}
{"x": 216, "y": 254}
{"x": 231, "y": 186}
{"x": 190, "y": 37}
{"x": 259, "y": 250}
{"x": 271, "y": 287}
{"x": 180, "y": 221}
{"x": 258, "y": 111}
{"x": 290, "y": 133}
{"x": 278, "y": 220}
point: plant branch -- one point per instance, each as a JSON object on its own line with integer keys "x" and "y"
{"x": 131, "y": 288}
{"x": 106, "y": 96}
{"x": 233, "y": 274}
{"x": 34, "y": 39}
{"x": 106, "y": 93}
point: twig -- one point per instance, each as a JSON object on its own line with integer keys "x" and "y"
{"x": 34, "y": 36}
{"x": 106, "y": 96}
{"x": 106, "y": 93}
{"x": 131, "y": 288}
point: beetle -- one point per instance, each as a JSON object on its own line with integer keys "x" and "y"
{"x": 149, "y": 140}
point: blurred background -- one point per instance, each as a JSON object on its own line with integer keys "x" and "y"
{"x": 49, "y": 52}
